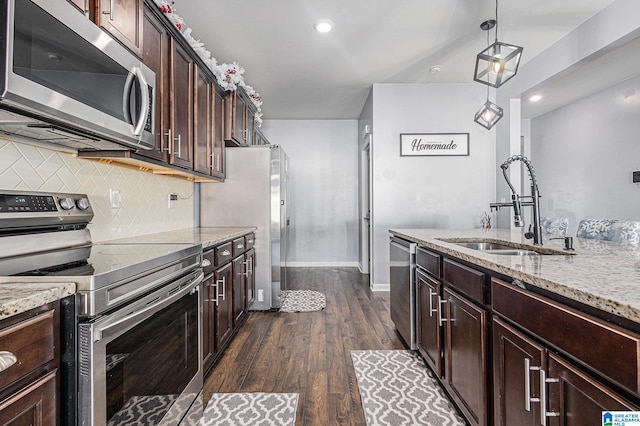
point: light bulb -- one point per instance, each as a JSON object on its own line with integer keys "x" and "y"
{"x": 488, "y": 115}
{"x": 497, "y": 66}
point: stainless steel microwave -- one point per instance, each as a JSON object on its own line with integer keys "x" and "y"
{"x": 66, "y": 81}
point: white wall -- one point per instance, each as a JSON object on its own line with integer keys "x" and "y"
{"x": 144, "y": 195}
{"x": 615, "y": 25}
{"x": 585, "y": 154}
{"x": 323, "y": 171}
{"x": 426, "y": 192}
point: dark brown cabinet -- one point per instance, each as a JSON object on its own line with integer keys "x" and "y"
{"x": 218, "y": 146}
{"x": 429, "y": 330}
{"x": 180, "y": 139}
{"x": 29, "y": 385}
{"x": 239, "y": 118}
{"x": 223, "y": 305}
{"x": 517, "y": 361}
{"x": 250, "y": 278}
{"x": 156, "y": 55}
{"x": 202, "y": 124}
{"x": 123, "y": 20}
{"x": 239, "y": 289}
{"x": 465, "y": 356}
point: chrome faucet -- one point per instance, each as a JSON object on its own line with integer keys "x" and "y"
{"x": 532, "y": 200}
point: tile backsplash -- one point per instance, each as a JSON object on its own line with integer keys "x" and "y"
{"x": 144, "y": 206}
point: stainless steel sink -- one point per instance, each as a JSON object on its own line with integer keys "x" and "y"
{"x": 506, "y": 249}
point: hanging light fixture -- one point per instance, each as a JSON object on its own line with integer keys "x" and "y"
{"x": 499, "y": 62}
{"x": 489, "y": 114}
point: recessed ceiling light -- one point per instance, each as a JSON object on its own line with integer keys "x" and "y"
{"x": 535, "y": 98}
{"x": 435, "y": 69}
{"x": 323, "y": 25}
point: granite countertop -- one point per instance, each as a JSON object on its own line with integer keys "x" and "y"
{"x": 600, "y": 274}
{"x": 206, "y": 236}
{"x": 19, "y": 297}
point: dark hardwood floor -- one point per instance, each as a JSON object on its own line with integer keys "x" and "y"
{"x": 309, "y": 353}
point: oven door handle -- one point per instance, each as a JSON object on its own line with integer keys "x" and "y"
{"x": 149, "y": 306}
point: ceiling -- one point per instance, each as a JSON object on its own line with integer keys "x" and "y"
{"x": 303, "y": 74}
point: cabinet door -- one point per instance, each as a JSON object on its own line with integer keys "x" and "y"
{"x": 516, "y": 377}
{"x": 156, "y": 56}
{"x": 576, "y": 399}
{"x": 123, "y": 20}
{"x": 238, "y": 289}
{"x": 429, "y": 333}
{"x": 34, "y": 405}
{"x": 217, "y": 108}
{"x": 202, "y": 122}
{"x": 181, "y": 144}
{"x": 465, "y": 360}
{"x": 250, "y": 279}
{"x": 235, "y": 129}
{"x": 208, "y": 321}
{"x": 224, "y": 313}
{"x": 251, "y": 126}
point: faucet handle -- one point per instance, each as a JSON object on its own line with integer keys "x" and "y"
{"x": 568, "y": 242}
{"x": 529, "y": 234}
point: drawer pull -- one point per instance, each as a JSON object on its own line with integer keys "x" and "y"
{"x": 226, "y": 253}
{"x": 250, "y": 241}
{"x": 7, "y": 359}
{"x": 431, "y": 309}
{"x": 543, "y": 397}
{"x": 205, "y": 263}
{"x": 528, "y": 399}
{"x": 519, "y": 284}
{"x": 240, "y": 246}
{"x": 443, "y": 304}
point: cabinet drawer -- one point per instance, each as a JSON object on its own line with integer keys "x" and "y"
{"x": 464, "y": 279}
{"x": 223, "y": 253}
{"x": 238, "y": 246}
{"x": 32, "y": 342}
{"x": 428, "y": 261}
{"x": 249, "y": 240}
{"x": 208, "y": 258}
{"x": 606, "y": 348}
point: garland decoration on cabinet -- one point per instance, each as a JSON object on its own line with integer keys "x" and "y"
{"x": 229, "y": 76}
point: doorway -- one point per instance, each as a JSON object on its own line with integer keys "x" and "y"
{"x": 365, "y": 203}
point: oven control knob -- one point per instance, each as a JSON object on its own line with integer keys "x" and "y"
{"x": 83, "y": 203}
{"x": 67, "y": 203}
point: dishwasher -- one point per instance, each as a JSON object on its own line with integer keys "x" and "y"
{"x": 402, "y": 256}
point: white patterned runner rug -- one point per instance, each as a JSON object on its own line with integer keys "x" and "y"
{"x": 251, "y": 409}
{"x": 397, "y": 388}
{"x": 302, "y": 301}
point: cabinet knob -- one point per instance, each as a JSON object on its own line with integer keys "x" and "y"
{"x": 7, "y": 359}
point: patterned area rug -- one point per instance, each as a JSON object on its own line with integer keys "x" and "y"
{"x": 302, "y": 301}
{"x": 397, "y": 388}
{"x": 143, "y": 410}
{"x": 255, "y": 409}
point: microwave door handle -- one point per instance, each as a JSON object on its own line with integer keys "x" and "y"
{"x": 144, "y": 90}
{"x": 126, "y": 96}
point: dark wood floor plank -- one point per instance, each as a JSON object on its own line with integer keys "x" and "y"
{"x": 310, "y": 353}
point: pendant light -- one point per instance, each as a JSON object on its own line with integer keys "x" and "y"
{"x": 489, "y": 114}
{"x": 499, "y": 62}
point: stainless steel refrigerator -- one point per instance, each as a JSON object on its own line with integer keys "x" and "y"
{"x": 255, "y": 193}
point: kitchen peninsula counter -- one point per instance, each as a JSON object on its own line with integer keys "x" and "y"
{"x": 17, "y": 297}
{"x": 600, "y": 274}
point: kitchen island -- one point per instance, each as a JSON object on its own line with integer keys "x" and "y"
{"x": 551, "y": 338}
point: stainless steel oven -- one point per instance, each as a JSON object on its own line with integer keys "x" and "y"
{"x": 131, "y": 334}
{"x": 66, "y": 81}
{"x": 140, "y": 364}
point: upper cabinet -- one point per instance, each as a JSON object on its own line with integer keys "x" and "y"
{"x": 239, "y": 118}
{"x": 218, "y": 147}
{"x": 156, "y": 55}
{"x": 202, "y": 122}
{"x": 180, "y": 134}
{"x": 122, "y": 19}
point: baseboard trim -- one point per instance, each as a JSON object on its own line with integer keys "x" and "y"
{"x": 380, "y": 287}
{"x": 322, "y": 264}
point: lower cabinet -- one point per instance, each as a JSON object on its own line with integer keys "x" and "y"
{"x": 225, "y": 296}
{"x": 465, "y": 356}
{"x": 508, "y": 356}
{"x": 250, "y": 278}
{"x": 29, "y": 379}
